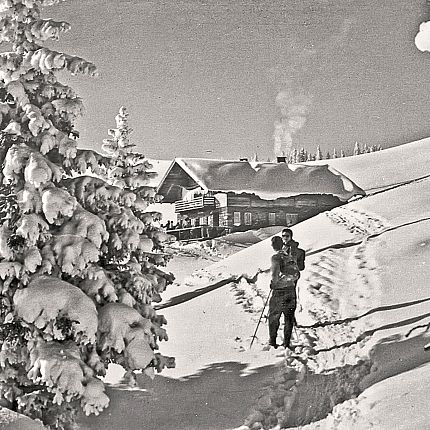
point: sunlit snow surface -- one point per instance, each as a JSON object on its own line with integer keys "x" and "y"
{"x": 367, "y": 269}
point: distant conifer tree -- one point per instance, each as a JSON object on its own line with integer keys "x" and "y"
{"x": 357, "y": 150}
{"x": 334, "y": 153}
{"x": 302, "y": 155}
{"x": 328, "y": 156}
{"x": 293, "y": 156}
{"x": 342, "y": 153}
{"x": 318, "y": 155}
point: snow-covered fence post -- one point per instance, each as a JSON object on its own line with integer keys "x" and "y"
{"x": 79, "y": 254}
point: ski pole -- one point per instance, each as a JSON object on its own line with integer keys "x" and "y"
{"x": 261, "y": 316}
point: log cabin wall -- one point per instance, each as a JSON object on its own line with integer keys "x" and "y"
{"x": 245, "y": 211}
{"x": 250, "y": 211}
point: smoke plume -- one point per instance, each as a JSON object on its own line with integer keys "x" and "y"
{"x": 294, "y": 106}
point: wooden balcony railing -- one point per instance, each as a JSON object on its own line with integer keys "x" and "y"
{"x": 202, "y": 232}
{"x": 196, "y": 203}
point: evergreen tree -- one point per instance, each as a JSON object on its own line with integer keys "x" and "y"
{"x": 318, "y": 154}
{"x": 342, "y": 153}
{"x": 328, "y": 156}
{"x": 365, "y": 149}
{"x": 357, "y": 150}
{"x": 293, "y": 156}
{"x": 334, "y": 153}
{"x": 79, "y": 256}
{"x": 301, "y": 157}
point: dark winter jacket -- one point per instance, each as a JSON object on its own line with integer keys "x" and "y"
{"x": 297, "y": 253}
{"x": 284, "y": 271}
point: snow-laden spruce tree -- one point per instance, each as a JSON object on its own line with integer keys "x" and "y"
{"x": 318, "y": 154}
{"x": 357, "y": 149}
{"x": 79, "y": 254}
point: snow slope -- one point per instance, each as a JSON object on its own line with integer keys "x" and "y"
{"x": 363, "y": 317}
{"x": 382, "y": 169}
{"x": 371, "y": 258}
{"x": 368, "y": 257}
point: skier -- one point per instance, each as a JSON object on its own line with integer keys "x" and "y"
{"x": 285, "y": 273}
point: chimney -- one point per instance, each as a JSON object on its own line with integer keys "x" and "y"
{"x": 282, "y": 159}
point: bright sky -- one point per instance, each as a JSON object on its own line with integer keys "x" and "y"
{"x": 203, "y": 75}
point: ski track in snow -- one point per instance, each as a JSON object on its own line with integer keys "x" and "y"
{"x": 341, "y": 349}
{"x": 352, "y": 269}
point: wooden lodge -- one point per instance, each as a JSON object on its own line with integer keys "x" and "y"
{"x": 215, "y": 197}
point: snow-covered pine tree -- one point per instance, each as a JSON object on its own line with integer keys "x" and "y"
{"x": 334, "y": 153}
{"x": 357, "y": 149}
{"x": 328, "y": 156}
{"x": 301, "y": 157}
{"x": 78, "y": 252}
{"x": 342, "y": 153}
{"x": 318, "y": 154}
{"x": 293, "y": 157}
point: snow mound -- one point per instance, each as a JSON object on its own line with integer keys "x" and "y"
{"x": 47, "y": 298}
{"x": 122, "y": 328}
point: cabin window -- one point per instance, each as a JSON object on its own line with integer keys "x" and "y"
{"x": 236, "y": 218}
{"x": 291, "y": 219}
{"x": 248, "y": 218}
{"x": 272, "y": 218}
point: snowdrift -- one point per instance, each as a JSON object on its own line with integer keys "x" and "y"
{"x": 387, "y": 168}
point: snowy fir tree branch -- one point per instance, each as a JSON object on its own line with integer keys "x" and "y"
{"x": 80, "y": 255}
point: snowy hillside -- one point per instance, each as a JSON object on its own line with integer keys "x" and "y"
{"x": 382, "y": 169}
{"x": 363, "y": 316}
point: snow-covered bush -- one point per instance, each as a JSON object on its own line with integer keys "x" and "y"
{"x": 79, "y": 255}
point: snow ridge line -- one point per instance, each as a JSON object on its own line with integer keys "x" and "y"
{"x": 370, "y": 236}
{"x": 370, "y": 333}
{"x": 193, "y": 294}
{"x": 394, "y": 186}
{"x": 371, "y": 311}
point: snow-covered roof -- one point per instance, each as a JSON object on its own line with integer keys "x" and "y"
{"x": 269, "y": 181}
